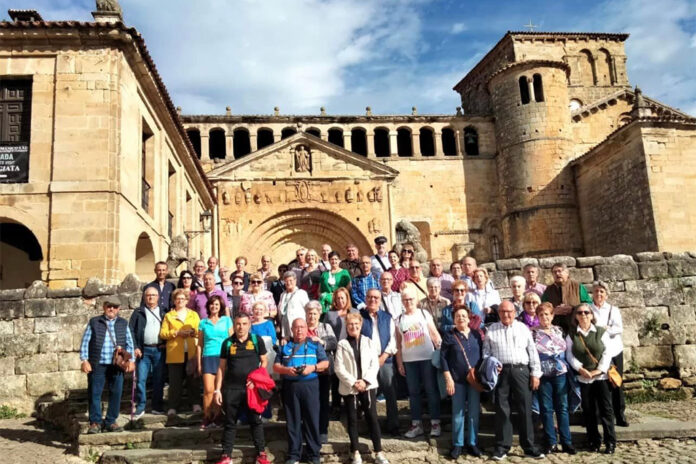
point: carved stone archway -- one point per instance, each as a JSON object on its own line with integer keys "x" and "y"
{"x": 281, "y": 234}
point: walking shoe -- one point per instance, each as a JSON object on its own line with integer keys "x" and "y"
{"x": 113, "y": 428}
{"x": 262, "y": 458}
{"x": 473, "y": 451}
{"x": 357, "y": 459}
{"x": 171, "y": 413}
{"x": 157, "y": 412}
{"x": 380, "y": 458}
{"x": 456, "y": 452}
{"x": 416, "y": 430}
{"x": 499, "y": 454}
{"x": 224, "y": 459}
{"x": 570, "y": 449}
{"x": 610, "y": 449}
{"x": 197, "y": 408}
{"x": 138, "y": 415}
{"x": 435, "y": 430}
{"x": 94, "y": 428}
{"x": 534, "y": 453}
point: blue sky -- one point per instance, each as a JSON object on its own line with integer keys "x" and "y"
{"x": 391, "y": 55}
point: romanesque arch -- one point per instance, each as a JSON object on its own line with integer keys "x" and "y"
{"x": 281, "y": 234}
{"x": 20, "y": 255}
{"x": 144, "y": 256}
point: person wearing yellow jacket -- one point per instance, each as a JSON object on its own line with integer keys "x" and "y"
{"x": 180, "y": 330}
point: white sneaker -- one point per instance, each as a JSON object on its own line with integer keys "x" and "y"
{"x": 138, "y": 415}
{"x": 171, "y": 412}
{"x": 435, "y": 430}
{"x": 357, "y": 459}
{"x": 416, "y": 430}
{"x": 155, "y": 412}
{"x": 380, "y": 458}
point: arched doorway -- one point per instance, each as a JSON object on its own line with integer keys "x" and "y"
{"x": 282, "y": 234}
{"x": 144, "y": 257}
{"x": 20, "y": 255}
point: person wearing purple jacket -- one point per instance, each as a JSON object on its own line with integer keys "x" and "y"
{"x": 200, "y": 300}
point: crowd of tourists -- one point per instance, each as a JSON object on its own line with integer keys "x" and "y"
{"x": 345, "y": 334}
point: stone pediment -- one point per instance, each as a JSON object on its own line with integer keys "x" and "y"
{"x": 302, "y": 156}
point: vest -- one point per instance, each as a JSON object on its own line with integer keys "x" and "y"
{"x": 383, "y": 325}
{"x": 96, "y": 342}
{"x": 594, "y": 344}
{"x": 568, "y": 293}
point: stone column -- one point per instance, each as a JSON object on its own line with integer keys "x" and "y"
{"x": 415, "y": 143}
{"x": 458, "y": 142}
{"x": 438, "y": 145}
{"x": 530, "y": 86}
{"x": 253, "y": 141}
{"x": 324, "y": 135}
{"x": 393, "y": 143}
{"x": 276, "y": 137}
{"x": 347, "y": 142}
{"x": 370, "y": 143}
{"x": 205, "y": 147}
{"x": 229, "y": 145}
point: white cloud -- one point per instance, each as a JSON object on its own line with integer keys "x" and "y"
{"x": 457, "y": 28}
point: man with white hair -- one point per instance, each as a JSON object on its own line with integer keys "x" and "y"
{"x": 436, "y": 270}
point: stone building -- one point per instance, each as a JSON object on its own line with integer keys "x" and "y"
{"x": 552, "y": 152}
{"x": 96, "y": 172}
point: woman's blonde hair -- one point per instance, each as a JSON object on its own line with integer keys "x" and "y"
{"x": 354, "y": 316}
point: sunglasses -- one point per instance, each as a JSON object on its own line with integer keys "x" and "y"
{"x": 407, "y": 251}
{"x": 236, "y": 282}
{"x": 257, "y": 281}
{"x": 584, "y": 313}
{"x": 187, "y": 278}
{"x": 459, "y": 290}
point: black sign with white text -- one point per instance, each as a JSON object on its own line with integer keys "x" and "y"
{"x": 14, "y": 163}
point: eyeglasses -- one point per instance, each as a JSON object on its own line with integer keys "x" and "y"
{"x": 531, "y": 302}
{"x": 236, "y": 282}
{"x": 372, "y": 297}
{"x": 257, "y": 281}
{"x": 414, "y": 267}
{"x": 459, "y": 290}
{"x": 583, "y": 313}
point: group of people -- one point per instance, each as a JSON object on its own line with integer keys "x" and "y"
{"x": 351, "y": 332}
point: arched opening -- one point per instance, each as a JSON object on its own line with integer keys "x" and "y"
{"x": 358, "y": 141}
{"x": 264, "y": 137}
{"x": 575, "y": 104}
{"x": 194, "y": 136}
{"x": 495, "y": 248}
{"x": 586, "y": 65}
{"x": 381, "y": 142}
{"x": 242, "y": 144}
{"x": 624, "y": 118}
{"x": 449, "y": 144}
{"x": 20, "y": 256}
{"x": 287, "y": 132}
{"x": 314, "y": 131}
{"x": 216, "y": 144}
{"x": 427, "y": 142}
{"x": 604, "y": 75}
{"x": 144, "y": 256}
{"x": 336, "y": 136}
{"x": 538, "y": 88}
{"x": 471, "y": 145}
{"x": 524, "y": 90}
{"x": 404, "y": 146}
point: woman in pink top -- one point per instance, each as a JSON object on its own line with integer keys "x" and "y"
{"x": 257, "y": 293}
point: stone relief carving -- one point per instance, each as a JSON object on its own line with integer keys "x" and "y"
{"x": 375, "y": 195}
{"x": 360, "y": 196}
{"x": 238, "y": 197}
{"x": 177, "y": 254}
{"x": 374, "y": 226}
{"x": 408, "y": 235}
{"x": 109, "y": 6}
{"x": 303, "y": 159}
{"x": 225, "y": 197}
{"x": 302, "y": 191}
{"x": 349, "y": 195}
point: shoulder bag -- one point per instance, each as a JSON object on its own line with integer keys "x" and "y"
{"x": 121, "y": 357}
{"x": 471, "y": 372}
{"x": 612, "y": 373}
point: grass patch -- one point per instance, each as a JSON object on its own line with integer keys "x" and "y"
{"x": 6, "y": 412}
{"x": 649, "y": 395}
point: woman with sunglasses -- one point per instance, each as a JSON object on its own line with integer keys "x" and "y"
{"x": 586, "y": 352}
{"x": 528, "y": 316}
{"x": 401, "y": 274}
{"x": 257, "y": 293}
{"x": 187, "y": 281}
{"x": 461, "y": 298}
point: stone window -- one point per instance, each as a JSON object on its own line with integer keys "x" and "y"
{"x": 524, "y": 90}
{"x": 471, "y": 145}
{"x": 538, "y": 88}
{"x": 216, "y": 143}
{"x": 358, "y": 141}
{"x": 586, "y": 65}
{"x": 314, "y": 131}
{"x": 287, "y": 132}
{"x": 147, "y": 168}
{"x": 575, "y": 104}
{"x": 381, "y": 142}
{"x": 241, "y": 142}
{"x": 604, "y": 74}
{"x": 404, "y": 146}
{"x": 495, "y": 248}
{"x": 172, "y": 198}
{"x": 264, "y": 137}
{"x": 194, "y": 136}
{"x": 336, "y": 136}
{"x": 427, "y": 142}
{"x": 449, "y": 144}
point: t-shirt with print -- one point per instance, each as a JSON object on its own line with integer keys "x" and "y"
{"x": 416, "y": 344}
{"x": 241, "y": 358}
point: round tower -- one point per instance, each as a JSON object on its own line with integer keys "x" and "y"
{"x": 536, "y": 187}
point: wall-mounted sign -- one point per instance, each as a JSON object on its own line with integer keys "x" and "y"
{"x": 14, "y": 163}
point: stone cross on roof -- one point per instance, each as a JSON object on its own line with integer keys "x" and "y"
{"x": 531, "y": 26}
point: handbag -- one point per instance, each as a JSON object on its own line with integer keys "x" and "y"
{"x": 121, "y": 357}
{"x": 471, "y": 373}
{"x": 615, "y": 378}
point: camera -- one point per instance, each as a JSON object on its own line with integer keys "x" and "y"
{"x": 299, "y": 369}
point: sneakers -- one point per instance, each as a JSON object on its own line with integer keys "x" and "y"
{"x": 357, "y": 459}
{"x": 499, "y": 455}
{"x": 416, "y": 430}
{"x": 456, "y": 452}
{"x": 380, "y": 458}
{"x": 113, "y": 428}
{"x": 94, "y": 428}
{"x": 435, "y": 429}
{"x": 224, "y": 459}
{"x": 262, "y": 458}
{"x": 534, "y": 453}
{"x": 138, "y": 415}
{"x": 157, "y": 412}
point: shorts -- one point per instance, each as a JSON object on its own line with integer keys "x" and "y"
{"x": 210, "y": 364}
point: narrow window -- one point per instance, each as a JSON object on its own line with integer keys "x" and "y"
{"x": 471, "y": 146}
{"x": 241, "y": 142}
{"x": 495, "y": 247}
{"x": 404, "y": 146}
{"x": 358, "y": 141}
{"x": 381, "y": 142}
{"x": 449, "y": 145}
{"x": 336, "y": 136}
{"x": 427, "y": 142}
{"x": 524, "y": 90}
{"x": 264, "y": 138}
{"x": 538, "y": 88}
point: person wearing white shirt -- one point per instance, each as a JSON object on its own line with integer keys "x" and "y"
{"x": 291, "y": 305}
{"x": 586, "y": 352}
{"x": 391, "y": 300}
{"x": 380, "y": 260}
{"x": 609, "y": 317}
{"x": 486, "y": 297}
{"x": 324, "y": 264}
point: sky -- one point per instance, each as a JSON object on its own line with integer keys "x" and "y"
{"x": 391, "y": 55}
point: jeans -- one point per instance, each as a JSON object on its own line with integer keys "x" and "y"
{"x": 466, "y": 405}
{"x": 553, "y": 396}
{"x": 387, "y": 386}
{"x": 112, "y": 377}
{"x": 422, "y": 373}
{"x": 151, "y": 362}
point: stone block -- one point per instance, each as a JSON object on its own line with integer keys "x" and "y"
{"x": 134, "y": 300}
{"x": 653, "y": 270}
{"x": 620, "y": 259}
{"x": 74, "y": 323}
{"x": 655, "y": 375}
{"x": 669, "y": 383}
{"x": 650, "y": 256}
{"x": 130, "y": 284}
{"x": 11, "y": 309}
{"x": 618, "y": 287}
{"x": 12, "y": 387}
{"x": 582, "y": 275}
{"x": 36, "y": 364}
{"x": 69, "y": 362}
{"x": 635, "y": 317}
{"x": 71, "y": 306}
{"x": 7, "y": 366}
{"x": 37, "y": 289}
{"x": 614, "y": 272}
{"x": 682, "y": 267}
{"x": 683, "y": 334}
{"x": 58, "y": 342}
{"x": 94, "y": 287}
{"x": 652, "y": 357}
{"x": 677, "y": 255}
{"x": 682, "y": 314}
{"x": 525, "y": 261}
{"x": 626, "y": 299}
{"x": 99, "y": 302}
{"x": 507, "y": 264}
{"x": 6, "y": 327}
{"x": 19, "y": 345}
{"x": 589, "y": 261}
{"x": 547, "y": 263}
{"x": 499, "y": 279}
{"x": 23, "y": 326}
{"x": 685, "y": 356}
{"x": 490, "y": 267}
{"x": 690, "y": 381}
{"x": 40, "y": 384}
{"x": 39, "y": 308}
{"x": 46, "y": 325}
{"x": 663, "y": 296}
{"x": 64, "y": 292}
{"x": 12, "y": 294}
